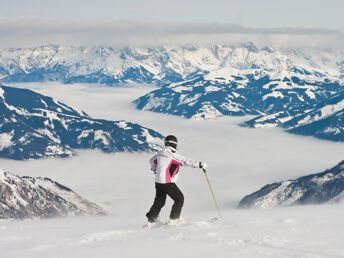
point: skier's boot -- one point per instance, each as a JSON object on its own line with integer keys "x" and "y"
{"x": 150, "y": 223}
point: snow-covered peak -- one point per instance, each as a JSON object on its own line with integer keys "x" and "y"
{"x": 164, "y": 64}
{"x": 28, "y": 197}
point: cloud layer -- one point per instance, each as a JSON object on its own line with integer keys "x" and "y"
{"x": 241, "y": 160}
{"x": 34, "y": 31}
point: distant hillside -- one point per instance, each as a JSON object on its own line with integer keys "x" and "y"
{"x": 35, "y": 126}
{"x": 28, "y": 197}
{"x": 327, "y": 186}
{"x": 325, "y": 120}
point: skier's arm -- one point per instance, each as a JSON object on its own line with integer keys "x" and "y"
{"x": 153, "y": 163}
{"x": 186, "y": 161}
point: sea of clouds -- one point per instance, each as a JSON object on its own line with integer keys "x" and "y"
{"x": 241, "y": 160}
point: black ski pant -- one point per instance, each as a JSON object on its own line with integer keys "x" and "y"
{"x": 162, "y": 190}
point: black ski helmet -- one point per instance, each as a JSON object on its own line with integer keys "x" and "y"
{"x": 171, "y": 140}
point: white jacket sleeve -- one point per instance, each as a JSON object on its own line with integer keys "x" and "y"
{"x": 186, "y": 161}
{"x": 153, "y": 163}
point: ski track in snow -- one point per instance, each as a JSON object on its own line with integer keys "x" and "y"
{"x": 240, "y": 161}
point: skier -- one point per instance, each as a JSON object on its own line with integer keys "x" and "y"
{"x": 165, "y": 164}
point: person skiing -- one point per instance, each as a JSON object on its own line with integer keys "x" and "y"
{"x": 165, "y": 164}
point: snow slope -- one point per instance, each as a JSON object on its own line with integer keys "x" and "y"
{"x": 294, "y": 232}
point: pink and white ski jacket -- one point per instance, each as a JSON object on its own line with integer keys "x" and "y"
{"x": 166, "y": 163}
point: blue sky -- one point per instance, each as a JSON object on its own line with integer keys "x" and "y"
{"x": 318, "y": 13}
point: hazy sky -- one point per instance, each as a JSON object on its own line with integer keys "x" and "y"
{"x": 153, "y": 22}
{"x": 263, "y": 12}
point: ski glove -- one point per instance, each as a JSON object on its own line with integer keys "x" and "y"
{"x": 203, "y": 165}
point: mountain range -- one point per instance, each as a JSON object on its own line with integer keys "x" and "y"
{"x": 200, "y": 98}
{"x": 35, "y": 126}
{"x": 279, "y": 86}
{"x": 166, "y": 65}
{"x": 327, "y": 186}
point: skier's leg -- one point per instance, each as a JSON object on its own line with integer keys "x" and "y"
{"x": 159, "y": 202}
{"x": 177, "y": 196}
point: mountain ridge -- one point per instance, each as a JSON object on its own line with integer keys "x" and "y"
{"x": 163, "y": 64}
{"x": 325, "y": 120}
{"x": 36, "y": 126}
{"x": 323, "y": 187}
{"x": 28, "y": 197}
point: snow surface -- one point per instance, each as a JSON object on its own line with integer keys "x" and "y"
{"x": 275, "y": 94}
{"x": 5, "y": 140}
{"x": 240, "y": 161}
{"x": 2, "y": 93}
{"x": 292, "y": 232}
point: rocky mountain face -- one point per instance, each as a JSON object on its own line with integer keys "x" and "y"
{"x": 28, "y": 197}
{"x": 327, "y": 186}
{"x": 35, "y": 126}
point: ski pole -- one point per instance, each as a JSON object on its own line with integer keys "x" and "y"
{"x": 212, "y": 192}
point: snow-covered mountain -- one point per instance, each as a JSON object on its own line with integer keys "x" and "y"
{"x": 35, "y": 126}
{"x": 327, "y": 186}
{"x": 251, "y": 81}
{"x": 202, "y": 98}
{"x": 325, "y": 120}
{"x": 197, "y": 82}
{"x": 167, "y": 64}
{"x": 28, "y": 197}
